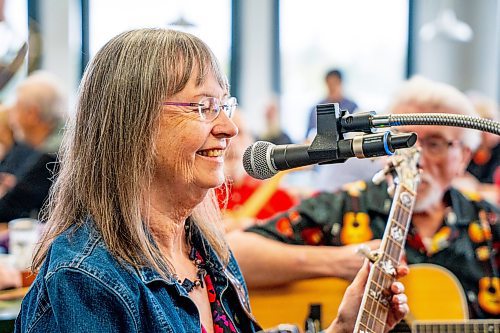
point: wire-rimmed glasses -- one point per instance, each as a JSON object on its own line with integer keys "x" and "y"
{"x": 209, "y": 107}
{"x": 437, "y": 146}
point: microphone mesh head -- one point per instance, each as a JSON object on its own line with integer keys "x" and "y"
{"x": 257, "y": 160}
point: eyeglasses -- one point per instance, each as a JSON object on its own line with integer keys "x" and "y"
{"x": 436, "y": 145}
{"x": 209, "y": 107}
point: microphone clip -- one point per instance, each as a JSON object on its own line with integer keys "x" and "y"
{"x": 325, "y": 144}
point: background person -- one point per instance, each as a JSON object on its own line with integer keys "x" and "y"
{"x": 12, "y": 154}
{"x": 6, "y": 136}
{"x": 335, "y": 94}
{"x": 479, "y": 178}
{"x": 486, "y": 159}
{"x": 315, "y": 238}
{"x": 37, "y": 118}
{"x": 331, "y": 177}
{"x": 274, "y": 132}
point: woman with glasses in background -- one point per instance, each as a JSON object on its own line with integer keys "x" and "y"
{"x": 134, "y": 240}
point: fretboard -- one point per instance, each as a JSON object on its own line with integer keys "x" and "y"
{"x": 375, "y": 303}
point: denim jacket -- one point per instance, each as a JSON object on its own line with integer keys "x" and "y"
{"x": 81, "y": 287}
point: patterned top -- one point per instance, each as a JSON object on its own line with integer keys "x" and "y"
{"x": 467, "y": 244}
{"x": 222, "y": 323}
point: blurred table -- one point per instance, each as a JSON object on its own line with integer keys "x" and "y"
{"x": 10, "y": 305}
{"x": 10, "y": 299}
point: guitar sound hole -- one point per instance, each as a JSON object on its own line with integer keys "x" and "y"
{"x": 401, "y": 327}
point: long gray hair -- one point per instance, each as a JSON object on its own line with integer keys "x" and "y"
{"x": 108, "y": 152}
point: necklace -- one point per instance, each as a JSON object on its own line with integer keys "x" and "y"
{"x": 195, "y": 257}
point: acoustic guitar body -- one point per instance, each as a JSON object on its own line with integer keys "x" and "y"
{"x": 434, "y": 293}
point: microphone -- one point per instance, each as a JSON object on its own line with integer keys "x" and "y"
{"x": 263, "y": 159}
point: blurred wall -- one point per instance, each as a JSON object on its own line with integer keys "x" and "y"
{"x": 255, "y": 84}
{"x": 60, "y": 29}
{"x": 472, "y": 65}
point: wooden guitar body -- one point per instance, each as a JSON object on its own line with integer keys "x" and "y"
{"x": 434, "y": 293}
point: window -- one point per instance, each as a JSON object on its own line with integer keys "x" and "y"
{"x": 211, "y": 19}
{"x": 366, "y": 39}
{"x": 13, "y": 36}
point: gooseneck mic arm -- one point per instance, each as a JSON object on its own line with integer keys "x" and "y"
{"x": 368, "y": 120}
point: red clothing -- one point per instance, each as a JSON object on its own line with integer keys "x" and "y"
{"x": 222, "y": 322}
{"x": 496, "y": 179}
{"x": 279, "y": 201}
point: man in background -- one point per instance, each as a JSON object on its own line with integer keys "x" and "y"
{"x": 449, "y": 229}
{"x": 13, "y": 154}
{"x": 274, "y": 132}
{"x": 335, "y": 94}
{"x": 37, "y": 118}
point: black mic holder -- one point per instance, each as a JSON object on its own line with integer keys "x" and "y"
{"x": 329, "y": 145}
{"x": 325, "y": 144}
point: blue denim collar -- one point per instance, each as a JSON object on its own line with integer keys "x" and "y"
{"x": 149, "y": 275}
